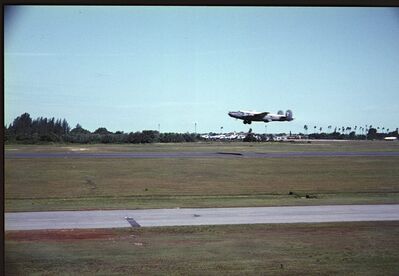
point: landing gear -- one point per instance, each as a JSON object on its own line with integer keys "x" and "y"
{"x": 247, "y": 122}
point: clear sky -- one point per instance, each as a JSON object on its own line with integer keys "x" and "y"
{"x": 134, "y": 68}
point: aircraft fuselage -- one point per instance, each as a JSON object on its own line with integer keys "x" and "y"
{"x": 251, "y": 116}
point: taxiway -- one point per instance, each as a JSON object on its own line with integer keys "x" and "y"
{"x": 18, "y": 155}
{"x": 199, "y": 216}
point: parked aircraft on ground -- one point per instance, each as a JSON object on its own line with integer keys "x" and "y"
{"x": 249, "y": 116}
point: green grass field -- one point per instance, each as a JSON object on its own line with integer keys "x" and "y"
{"x": 366, "y": 248}
{"x": 362, "y": 248}
{"x": 70, "y": 184}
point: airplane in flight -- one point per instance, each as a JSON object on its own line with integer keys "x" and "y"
{"x": 249, "y": 116}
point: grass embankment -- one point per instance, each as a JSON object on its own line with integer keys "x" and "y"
{"x": 366, "y": 248}
{"x": 72, "y": 184}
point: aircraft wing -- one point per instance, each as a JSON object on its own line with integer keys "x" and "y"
{"x": 258, "y": 115}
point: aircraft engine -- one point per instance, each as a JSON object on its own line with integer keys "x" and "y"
{"x": 288, "y": 114}
{"x": 280, "y": 112}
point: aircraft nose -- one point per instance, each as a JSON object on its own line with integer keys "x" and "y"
{"x": 230, "y": 114}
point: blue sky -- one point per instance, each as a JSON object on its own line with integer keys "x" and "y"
{"x": 134, "y": 68}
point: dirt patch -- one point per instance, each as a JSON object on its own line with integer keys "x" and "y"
{"x": 61, "y": 235}
{"x": 90, "y": 182}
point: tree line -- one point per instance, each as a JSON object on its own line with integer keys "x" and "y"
{"x": 26, "y": 130}
{"x": 355, "y": 133}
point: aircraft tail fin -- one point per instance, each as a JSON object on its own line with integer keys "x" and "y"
{"x": 288, "y": 114}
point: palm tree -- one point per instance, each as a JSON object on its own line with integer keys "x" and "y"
{"x": 329, "y": 127}
{"x": 320, "y": 129}
{"x": 367, "y": 130}
{"x": 305, "y": 127}
{"x": 314, "y": 129}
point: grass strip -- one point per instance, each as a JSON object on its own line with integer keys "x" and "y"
{"x": 150, "y": 202}
{"x": 361, "y": 248}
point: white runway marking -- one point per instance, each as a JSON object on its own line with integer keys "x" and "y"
{"x": 200, "y": 216}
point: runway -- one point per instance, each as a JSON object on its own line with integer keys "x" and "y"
{"x": 199, "y": 216}
{"x": 21, "y": 155}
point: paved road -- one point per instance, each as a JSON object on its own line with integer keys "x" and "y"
{"x": 202, "y": 216}
{"x": 9, "y": 155}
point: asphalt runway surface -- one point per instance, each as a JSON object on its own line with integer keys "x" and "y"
{"x": 199, "y": 216}
{"x": 16, "y": 155}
